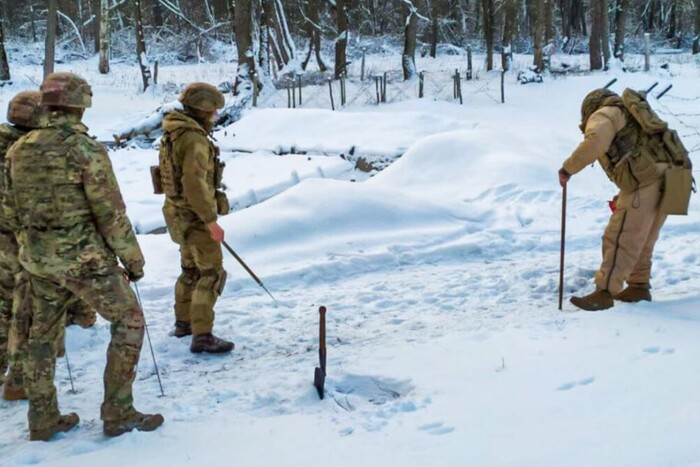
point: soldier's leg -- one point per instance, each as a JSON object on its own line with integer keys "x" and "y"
{"x": 626, "y": 236}
{"x": 641, "y": 273}
{"x": 185, "y": 285}
{"x": 80, "y": 314}
{"x": 112, "y": 297}
{"x": 19, "y": 337}
{"x": 8, "y": 268}
{"x": 47, "y": 322}
{"x": 209, "y": 261}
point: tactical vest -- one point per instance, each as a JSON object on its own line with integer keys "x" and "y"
{"x": 47, "y": 183}
{"x": 171, "y": 167}
{"x": 9, "y": 134}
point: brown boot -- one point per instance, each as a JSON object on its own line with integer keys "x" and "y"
{"x": 134, "y": 421}
{"x": 13, "y": 393}
{"x": 182, "y": 329}
{"x": 634, "y": 293}
{"x": 209, "y": 343}
{"x": 598, "y": 300}
{"x": 65, "y": 423}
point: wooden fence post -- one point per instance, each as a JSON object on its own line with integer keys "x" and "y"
{"x": 469, "y": 62}
{"x": 647, "y": 51}
{"x": 421, "y": 85}
{"x": 330, "y": 87}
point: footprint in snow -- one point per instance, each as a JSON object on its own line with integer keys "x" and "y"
{"x": 655, "y": 350}
{"x": 573, "y": 384}
{"x": 437, "y": 428}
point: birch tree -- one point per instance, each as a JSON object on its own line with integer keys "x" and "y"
{"x": 510, "y": 10}
{"x": 104, "y": 37}
{"x": 141, "y": 47}
{"x": 621, "y": 7}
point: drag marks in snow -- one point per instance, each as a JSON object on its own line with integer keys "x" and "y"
{"x": 574, "y": 384}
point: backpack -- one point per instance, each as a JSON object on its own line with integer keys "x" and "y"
{"x": 656, "y": 142}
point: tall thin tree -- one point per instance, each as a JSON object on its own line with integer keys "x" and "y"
{"x": 489, "y": 16}
{"x": 141, "y": 47}
{"x": 696, "y": 39}
{"x": 538, "y": 34}
{"x": 621, "y": 7}
{"x": 4, "y": 65}
{"x": 313, "y": 31}
{"x": 435, "y": 12}
{"x": 510, "y": 10}
{"x": 408, "y": 59}
{"x": 50, "y": 44}
{"x": 595, "y": 41}
{"x": 341, "y": 41}
{"x": 104, "y": 37}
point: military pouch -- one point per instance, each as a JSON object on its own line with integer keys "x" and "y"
{"x": 678, "y": 185}
{"x": 156, "y": 180}
{"x": 219, "y": 173}
{"x": 222, "y": 204}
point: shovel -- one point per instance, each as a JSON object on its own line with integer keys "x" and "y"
{"x": 320, "y": 373}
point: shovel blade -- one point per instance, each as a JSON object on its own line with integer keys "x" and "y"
{"x": 319, "y": 381}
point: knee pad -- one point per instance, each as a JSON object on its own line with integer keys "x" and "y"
{"x": 213, "y": 279}
{"x": 189, "y": 276}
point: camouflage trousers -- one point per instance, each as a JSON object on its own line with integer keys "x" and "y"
{"x": 115, "y": 301}
{"x": 9, "y": 268}
{"x": 201, "y": 281}
{"x": 75, "y": 313}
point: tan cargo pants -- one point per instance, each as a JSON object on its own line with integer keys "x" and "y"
{"x": 629, "y": 239}
{"x": 201, "y": 281}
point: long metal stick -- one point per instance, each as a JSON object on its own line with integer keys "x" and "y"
{"x": 70, "y": 373}
{"x": 248, "y": 270}
{"x": 563, "y": 240}
{"x": 148, "y": 335}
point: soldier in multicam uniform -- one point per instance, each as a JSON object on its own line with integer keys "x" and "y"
{"x": 63, "y": 194}
{"x": 24, "y": 114}
{"x": 190, "y": 175}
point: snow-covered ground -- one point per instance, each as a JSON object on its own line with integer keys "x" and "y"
{"x": 440, "y": 275}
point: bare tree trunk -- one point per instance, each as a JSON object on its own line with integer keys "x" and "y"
{"x": 245, "y": 31}
{"x": 538, "y": 35}
{"x": 408, "y": 61}
{"x": 141, "y": 47}
{"x": 605, "y": 37}
{"x": 95, "y": 10}
{"x": 341, "y": 42}
{"x": 597, "y": 33}
{"x": 104, "y": 37}
{"x": 32, "y": 18}
{"x": 266, "y": 12}
{"x": 696, "y": 40}
{"x": 313, "y": 31}
{"x": 509, "y": 12}
{"x": 50, "y": 44}
{"x": 280, "y": 42}
{"x": 672, "y": 20}
{"x": 620, "y": 26}
{"x": 157, "y": 11}
{"x": 4, "y": 65}
{"x": 548, "y": 21}
{"x": 489, "y": 17}
{"x": 434, "y": 26}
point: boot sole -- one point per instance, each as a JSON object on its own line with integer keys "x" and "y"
{"x": 212, "y": 351}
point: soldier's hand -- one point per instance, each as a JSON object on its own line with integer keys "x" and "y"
{"x": 216, "y": 232}
{"x": 134, "y": 276}
{"x": 563, "y": 177}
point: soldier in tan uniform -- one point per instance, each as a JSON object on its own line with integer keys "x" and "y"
{"x": 73, "y": 229}
{"x": 24, "y": 114}
{"x": 190, "y": 175}
{"x": 612, "y": 137}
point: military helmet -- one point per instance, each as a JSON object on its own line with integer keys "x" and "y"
{"x": 25, "y": 109}
{"x": 594, "y": 101}
{"x": 66, "y": 90}
{"x": 202, "y": 96}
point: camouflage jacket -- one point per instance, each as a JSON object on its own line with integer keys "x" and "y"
{"x": 9, "y": 134}
{"x": 63, "y": 195}
{"x": 190, "y": 167}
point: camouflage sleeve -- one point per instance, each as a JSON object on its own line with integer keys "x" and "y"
{"x": 601, "y": 129}
{"x": 9, "y": 220}
{"x": 195, "y": 157}
{"x": 107, "y": 205}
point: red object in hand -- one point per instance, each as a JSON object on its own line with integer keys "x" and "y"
{"x": 613, "y": 205}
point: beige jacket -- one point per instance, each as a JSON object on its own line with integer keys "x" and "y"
{"x": 601, "y": 129}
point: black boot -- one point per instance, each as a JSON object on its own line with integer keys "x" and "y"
{"x": 209, "y": 343}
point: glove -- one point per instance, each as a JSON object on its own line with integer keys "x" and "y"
{"x": 564, "y": 177}
{"x": 134, "y": 276}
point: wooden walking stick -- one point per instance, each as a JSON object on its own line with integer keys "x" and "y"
{"x": 563, "y": 240}
{"x": 320, "y": 372}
